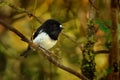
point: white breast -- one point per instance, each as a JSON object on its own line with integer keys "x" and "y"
{"x": 44, "y": 41}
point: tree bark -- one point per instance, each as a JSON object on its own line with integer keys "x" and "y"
{"x": 114, "y": 51}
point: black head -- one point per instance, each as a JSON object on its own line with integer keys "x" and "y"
{"x": 52, "y": 28}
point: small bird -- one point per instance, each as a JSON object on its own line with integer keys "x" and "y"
{"x": 46, "y": 35}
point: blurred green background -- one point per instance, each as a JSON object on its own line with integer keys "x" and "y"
{"x": 73, "y": 15}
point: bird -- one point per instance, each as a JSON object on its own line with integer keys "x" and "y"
{"x": 45, "y": 36}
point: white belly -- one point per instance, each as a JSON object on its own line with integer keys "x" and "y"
{"x": 44, "y": 41}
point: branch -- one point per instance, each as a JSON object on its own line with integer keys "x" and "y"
{"x": 114, "y": 51}
{"x": 14, "y": 30}
{"x": 46, "y": 52}
{"x": 88, "y": 52}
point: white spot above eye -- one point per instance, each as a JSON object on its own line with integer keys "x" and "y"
{"x": 61, "y": 26}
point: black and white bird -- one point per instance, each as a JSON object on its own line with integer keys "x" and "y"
{"x": 46, "y": 35}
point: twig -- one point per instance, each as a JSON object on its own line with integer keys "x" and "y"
{"x": 74, "y": 41}
{"x": 102, "y": 52}
{"x": 98, "y": 11}
{"x": 22, "y": 10}
{"x": 93, "y": 5}
{"x": 46, "y": 52}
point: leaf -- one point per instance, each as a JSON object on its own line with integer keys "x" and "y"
{"x": 108, "y": 70}
{"x": 108, "y": 22}
{"x": 102, "y": 26}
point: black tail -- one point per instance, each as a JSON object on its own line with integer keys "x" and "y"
{"x": 26, "y": 53}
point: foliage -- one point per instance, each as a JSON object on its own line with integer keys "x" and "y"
{"x": 73, "y": 14}
{"x": 103, "y": 25}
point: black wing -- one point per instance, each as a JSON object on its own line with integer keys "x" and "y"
{"x": 37, "y": 32}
